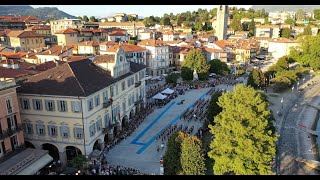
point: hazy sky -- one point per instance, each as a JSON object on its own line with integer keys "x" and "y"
{"x": 141, "y": 10}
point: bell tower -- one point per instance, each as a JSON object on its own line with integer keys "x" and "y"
{"x": 222, "y": 22}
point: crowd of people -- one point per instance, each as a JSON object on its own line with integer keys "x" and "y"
{"x": 107, "y": 169}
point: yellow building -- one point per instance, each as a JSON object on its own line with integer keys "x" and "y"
{"x": 44, "y": 30}
{"x": 242, "y": 54}
{"x": 77, "y": 106}
{"x": 87, "y": 48}
{"x": 67, "y": 37}
{"x": 26, "y": 40}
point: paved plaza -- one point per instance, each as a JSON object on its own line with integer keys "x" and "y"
{"x": 139, "y": 150}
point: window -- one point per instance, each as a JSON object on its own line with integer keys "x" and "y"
{"x": 9, "y": 106}
{"x": 40, "y": 129}
{"x": 97, "y": 100}
{"x": 105, "y": 96}
{"x": 29, "y": 128}
{"x": 123, "y": 84}
{"x": 78, "y": 133}
{"x": 99, "y": 125}
{"x": 136, "y": 77}
{"x": 107, "y": 120}
{"x": 37, "y": 104}
{"x": 129, "y": 101}
{"x": 90, "y": 104}
{"x": 49, "y": 105}
{"x": 124, "y": 105}
{"x": 52, "y": 130}
{"x": 75, "y": 105}
{"x": 65, "y": 131}
{"x": 62, "y": 106}
{"x": 12, "y": 122}
{"x": 117, "y": 89}
{"x": 25, "y": 104}
{"x": 111, "y": 91}
{"x": 92, "y": 130}
{"x": 14, "y": 142}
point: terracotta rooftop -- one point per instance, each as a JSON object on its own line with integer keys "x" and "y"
{"x": 20, "y": 19}
{"x": 107, "y": 58}
{"x": 212, "y": 50}
{"x": 68, "y": 31}
{"x": 88, "y": 43}
{"x": 13, "y": 55}
{"x": 24, "y": 34}
{"x": 282, "y": 40}
{"x": 5, "y": 32}
{"x": 151, "y": 42}
{"x": 56, "y": 50}
{"x": 117, "y": 33}
{"x": 33, "y": 28}
{"x": 75, "y": 58}
{"x": 126, "y": 48}
{"x": 14, "y": 73}
{"x": 108, "y": 43}
{"x": 115, "y": 24}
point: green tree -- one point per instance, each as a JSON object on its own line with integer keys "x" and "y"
{"x": 281, "y": 65}
{"x": 251, "y": 28}
{"x": 196, "y": 60}
{"x": 192, "y": 156}
{"x": 186, "y": 74}
{"x": 172, "y": 155}
{"x": 85, "y": 18}
{"x": 300, "y": 14}
{"x": 198, "y": 26}
{"x": 79, "y": 17}
{"x": 79, "y": 161}
{"x": 307, "y": 30}
{"x": 131, "y": 18}
{"x": 285, "y": 32}
{"x": 131, "y": 41}
{"x": 244, "y": 137}
{"x": 214, "y": 109}
{"x": 236, "y": 24}
{"x": 256, "y": 78}
{"x": 316, "y": 13}
{"x": 165, "y": 21}
{"x": 92, "y": 19}
{"x": 172, "y": 78}
{"x": 218, "y": 67}
{"x": 290, "y": 21}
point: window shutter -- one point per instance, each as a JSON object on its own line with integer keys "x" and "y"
{"x": 40, "y": 104}
{"x": 46, "y": 105}
{"x": 67, "y": 129}
{"x": 59, "y": 105}
{"x": 66, "y": 106}
{"x": 49, "y": 132}
{"x": 34, "y": 104}
{"x": 53, "y": 106}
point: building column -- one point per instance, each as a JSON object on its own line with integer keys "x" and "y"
{"x": 63, "y": 158}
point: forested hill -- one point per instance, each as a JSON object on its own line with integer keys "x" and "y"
{"x": 270, "y": 8}
{"x": 42, "y": 13}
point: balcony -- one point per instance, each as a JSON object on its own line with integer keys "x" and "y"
{"x": 137, "y": 84}
{"x": 16, "y": 129}
{"x": 107, "y": 104}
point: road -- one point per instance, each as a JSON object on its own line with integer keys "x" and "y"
{"x": 293, "y": 103}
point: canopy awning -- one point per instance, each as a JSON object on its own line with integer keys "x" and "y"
{"x": 159, "y": 96}
{"x": 167, "y": 91}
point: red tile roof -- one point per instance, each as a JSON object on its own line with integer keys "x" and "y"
{"x": 107, "y": 58}
{"x": 68, "y": 31}
{"x": 56, "y": 50}
{"x": 33, "y": 28}
{"x": 27, "y": 19}
{"x": 14, "y": 73}
{"x": 108, "y": 43}
{"x": 24, "y": 34}
{"x": 126, "y": 48}
{"x": 13, "y": 55}
{"x": 88, "y": 43}
{"x": 151, "y": 42}
{"x": 117, "y": 33}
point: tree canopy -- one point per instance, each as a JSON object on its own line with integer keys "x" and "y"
{"x": 192, "y": 156}
{"x": 93, "y": 19}
{"x": 244, "y": 137}
{"x": 306, "y": 53}
{"x": 214, "y": 109}
{"x": 171, "y": 157}
{"x": 316, "y": 13}
{"x": 285, "y": 32}
{"x": 290, "y": 21}
{"x": 256, "y": 78}
{"x": 196, "y": 60}
{"x": 218, "y": 67}
{"x": 85, "y": 18}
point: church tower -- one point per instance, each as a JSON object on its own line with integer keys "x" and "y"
{"x": 222, "y": 22}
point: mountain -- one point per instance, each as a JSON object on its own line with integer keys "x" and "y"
{"x": 270, "y": 8}
{"x": 42, "y": 13}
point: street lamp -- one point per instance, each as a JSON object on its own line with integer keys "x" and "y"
{"x": 281, "y": 103}
{"x": 292, "y": 88}
{"x": 303, "y": 80}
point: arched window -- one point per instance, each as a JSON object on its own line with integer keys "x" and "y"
{"x": 107, "y": 120}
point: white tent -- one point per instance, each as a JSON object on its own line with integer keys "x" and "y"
{"x": 167, "y": 91}
{"x": 159, "y": 96}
